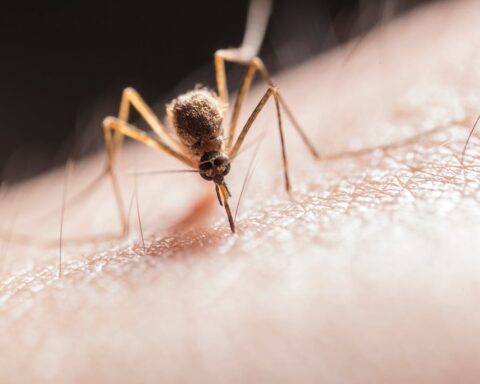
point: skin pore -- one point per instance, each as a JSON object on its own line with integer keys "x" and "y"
{"x": 368, "y": 273}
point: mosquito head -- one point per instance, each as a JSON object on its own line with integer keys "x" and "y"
{"x": 214, "y": 166}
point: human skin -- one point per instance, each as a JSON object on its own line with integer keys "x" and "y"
{"x": 368, "y": 273}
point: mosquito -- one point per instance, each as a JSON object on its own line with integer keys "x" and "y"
{"x": 198, "y": 117}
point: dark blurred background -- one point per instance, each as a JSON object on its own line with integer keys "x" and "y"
{"x": 63, "y": 64}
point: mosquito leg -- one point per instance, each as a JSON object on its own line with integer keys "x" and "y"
{"x": 115, "y": 129}
{"x": 131, "y": 97}
{"x": 113, "y": 139}
{"x": 113, "y": 126}
{"x": 221, "y": 78}
{"x": 246, "y": 83}
{"x": 219, "y": 59}
{"x": 254, "y": 65}
{"x": 268, "y": 79}
{"x": 270, "y": 92}
{"x": 282, "y": 142}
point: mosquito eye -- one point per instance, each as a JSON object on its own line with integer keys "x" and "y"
{"x": 218, "y": 162}
{"x": 205, "y": 166}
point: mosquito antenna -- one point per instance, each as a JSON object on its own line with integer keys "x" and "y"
{"x": 68, "y": 172}
{"x": 138, "y": 214}
{"x": 469, "y": 137}
{"x": 249, "y": 174}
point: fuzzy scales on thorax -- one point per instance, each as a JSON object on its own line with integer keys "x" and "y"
{"x": 197, "y": 117}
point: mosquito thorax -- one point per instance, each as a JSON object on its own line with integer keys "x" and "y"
{"x": 214, "y": 165}
{"x": 197, "y": 118}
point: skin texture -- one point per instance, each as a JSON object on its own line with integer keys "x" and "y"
{"x": 369, "y": 273}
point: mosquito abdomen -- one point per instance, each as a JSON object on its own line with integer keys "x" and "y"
{"x": 197, "y": 117}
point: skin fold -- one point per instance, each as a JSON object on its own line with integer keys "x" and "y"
{"x": 367, "y": 273}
